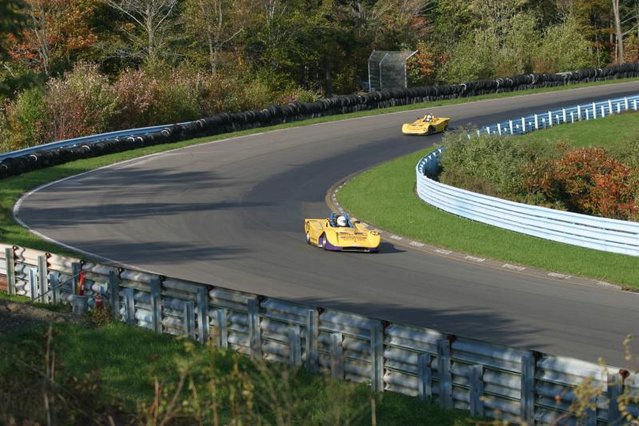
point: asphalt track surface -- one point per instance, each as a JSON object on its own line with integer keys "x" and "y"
{"x": 230, "y": 214}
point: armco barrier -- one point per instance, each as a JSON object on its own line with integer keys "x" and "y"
{"x": 484, "y": 379}
{"x": 616, "y": 236}
{"x": 37, "y": 157}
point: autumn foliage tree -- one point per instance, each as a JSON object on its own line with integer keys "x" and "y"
{"x": 55, "y": 33}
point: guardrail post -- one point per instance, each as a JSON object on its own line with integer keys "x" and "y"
{"x": 11, "y": 270}
{"x": 499, "y": 128}
{"x": 594, "y": 110}
{"x": 189, "y": 320}
{"x": 635, "y": 104}
{"x": 625, "y": 103}
{"x": 255, "y": 333}
{"x": 591, "y": 416}
{"x": 295, "y": 346}
{"x": 578, "y": 112}
{"x": 312, "y": 334}
{"x": 424, "y": 376}
{"x": 337, "y": 356}
{"x": 55, "y": 285}
{"x": 528, "y": 387}
{"x": 114, "y": 294}
{"x": 618, "y": 107}
{"x": 609, "y": 106}
{"x": 536, "y": 122}
{"x": 156, "y": 304}
{"x": 377, "y": 354}
{"x": 76, "y": 268}
{"x": 445, "y": 376}
{"x": 34, "y": 293}
{"x": 222, "y": 331}
{"x": 129, "y": 306}
{"x": 510, "y": 123}
{"x": 563, "y": 110}
{"x": 587, "y": 117}
{"x": 202, "y": 300}
{"x": 523, "y": 124}
{"x": 572, "y": 117}
{"x": 476, "y": 390}
{"x": 549, "y": 119}
{"x": 603, "y": 111}
{"x": 615, "y": 388}
{"x": 43, "y": 279}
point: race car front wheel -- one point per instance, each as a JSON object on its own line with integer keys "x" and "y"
{"x": 322, "y": 241}
{"x": 308, "y": 238}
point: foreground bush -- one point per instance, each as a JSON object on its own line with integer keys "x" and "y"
{"x": 109, "y": 373}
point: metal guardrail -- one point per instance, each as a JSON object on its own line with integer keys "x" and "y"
{"x": 485, "y": 379}
{"x": 611, "y": 235}
{"x": 85, "y": 140}
{"x": 590, "y": 111}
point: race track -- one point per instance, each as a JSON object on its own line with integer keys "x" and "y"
{"x": 230, "y": 214}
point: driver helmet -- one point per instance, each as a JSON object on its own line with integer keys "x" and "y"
{"x": 429, "y": 117}
{"x": 341, "y": 221}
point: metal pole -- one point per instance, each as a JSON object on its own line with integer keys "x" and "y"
{"x": 370, "y": 86}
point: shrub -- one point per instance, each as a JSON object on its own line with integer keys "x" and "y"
{"x": 175, "y": 98}
{"x": 564, "y": 48}
{"x": 593, "y": 182}
{"x": 134, "y": 91}
{"x": 81, "y": 103}
{"x": 26, "y": 120}
{"x": 492, "y": 165}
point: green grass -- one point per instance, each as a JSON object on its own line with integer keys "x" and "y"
{"x": 385, "y": 197}
{"x": 125, "y": 361}
{"x": 610, "y": 132}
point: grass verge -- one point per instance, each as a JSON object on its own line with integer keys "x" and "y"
{"x": 385, "y": 196}
{"x": 134, "y": 376}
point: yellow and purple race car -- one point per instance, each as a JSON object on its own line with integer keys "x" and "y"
{"x": 426, "y": 125}
{"x": 340, "y": 233}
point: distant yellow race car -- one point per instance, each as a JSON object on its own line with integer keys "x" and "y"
{"x": 426, "y": 125}
{"x": 340, "y": 233}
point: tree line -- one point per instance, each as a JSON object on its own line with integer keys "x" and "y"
{"x": 74, "y": 66}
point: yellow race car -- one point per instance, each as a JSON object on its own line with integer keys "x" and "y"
{"x": 340, "y": 233}
{"x": 426, "y": 125}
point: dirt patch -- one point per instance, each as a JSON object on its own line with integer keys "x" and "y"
{"x": 16, "y": 316}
